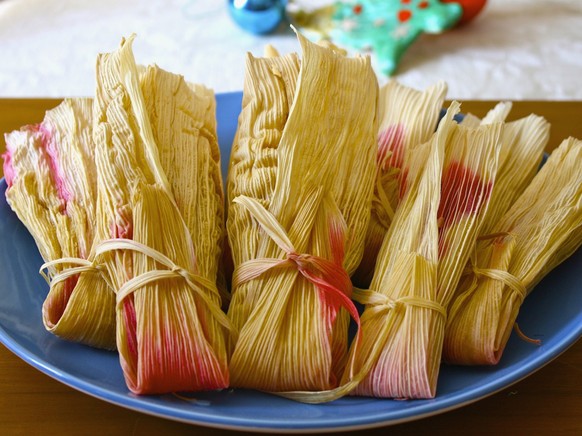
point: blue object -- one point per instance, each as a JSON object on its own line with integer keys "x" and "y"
{"x": 552, "y": 313}
{"x": 257, "y": 16}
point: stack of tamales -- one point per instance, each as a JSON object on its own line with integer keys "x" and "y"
{"x": 157, "y": 228}
{"x": 330, "y": 177}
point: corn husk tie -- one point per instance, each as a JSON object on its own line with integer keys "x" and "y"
{"x": 327, "y": 276}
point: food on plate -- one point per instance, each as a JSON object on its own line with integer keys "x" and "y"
{"x": 160, "y": 254}
{"x": 539, "y": 231}
{"x": 446, "y": 194}
{"x": 52, "y": 185}
{"x": 407, "y": 118}
{"x": 307, "y": 219}
{"x": 329, "y": 177}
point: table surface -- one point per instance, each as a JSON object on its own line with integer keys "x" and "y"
{"x": 547, "y": 402}
{"x": 49, "y": 48}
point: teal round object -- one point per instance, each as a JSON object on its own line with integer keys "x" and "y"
{"x": 257, "y": 16}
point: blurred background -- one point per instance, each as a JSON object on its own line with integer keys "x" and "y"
{"x": 514, "y": 49}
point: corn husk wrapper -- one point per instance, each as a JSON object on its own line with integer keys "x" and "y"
{"x": 183, "y": 120}
{"x": 422, "y": 258}
{"x": 310, "y": 230}
{"x": 52, "y": 175}
{"x": 168, "y": 313}
{"x": 407, "y": 118}
{"x": 536, "y": 234}
{"x": 268, "y": 94}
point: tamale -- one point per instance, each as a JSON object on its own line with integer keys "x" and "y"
{"x": 307, "y": 226}
{"x": 407, "y": 118}
{"x": 52, "y": 179}
{"x": 170, "y": 329}
{"x": 540, "y": 230}
{"x": 422, "y": 258}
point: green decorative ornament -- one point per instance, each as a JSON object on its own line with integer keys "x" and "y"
{"x": 385, "y": 28}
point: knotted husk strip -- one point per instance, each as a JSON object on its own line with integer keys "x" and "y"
{"x": 269, "y": 89}
{"x": 434, "y": 229}
{"x": 165, "y": 310}
{"x": 538, "y": 232}
{"x": 407, "y": 118}
{"x": 320, "y": 206}
{"x": 53, "y": 185}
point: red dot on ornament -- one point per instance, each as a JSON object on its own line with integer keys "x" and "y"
{"x": 405, "y": 2}
{"x": 423, "y": 5}
{"x": 358, "y": 9}
{"x": 404, "y": 15}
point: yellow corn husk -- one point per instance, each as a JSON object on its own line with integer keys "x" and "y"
{"x": 496, "y": 115}
{"x": 407, "y": 118}
{"x": 183, "y": 120}
{"x": 422, "y": 258}
{"x": 522, "y": 147}
{"x": 303, "y": 220}
{"x": 170, "y": 329}
{"x": 537, "y": 233}
{"x": 53, "y": 193}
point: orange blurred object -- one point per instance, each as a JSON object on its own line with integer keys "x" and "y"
{"x": 471, "y": 8}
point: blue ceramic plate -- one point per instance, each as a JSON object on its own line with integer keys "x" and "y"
{"x": 552, "y": 313}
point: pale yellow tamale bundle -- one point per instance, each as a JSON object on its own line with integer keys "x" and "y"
{"x": 422, "y": 258}
{"x": 537, "y": 233}
{"x": 522, "y": 147}
{"x": 408, "y": 117}
{"x": 52, "y": 179}
{"x": 269, "y": 89}
{"x": 170, "y": 333}
{"x": 310, "y": 229}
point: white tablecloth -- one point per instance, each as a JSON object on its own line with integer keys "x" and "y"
{"x": 516, "y": 49}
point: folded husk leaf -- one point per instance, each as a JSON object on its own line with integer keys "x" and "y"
{"x": 522, "y": 147}
{"x": 268, "y": 94}
{"x": 53, "y": 192}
